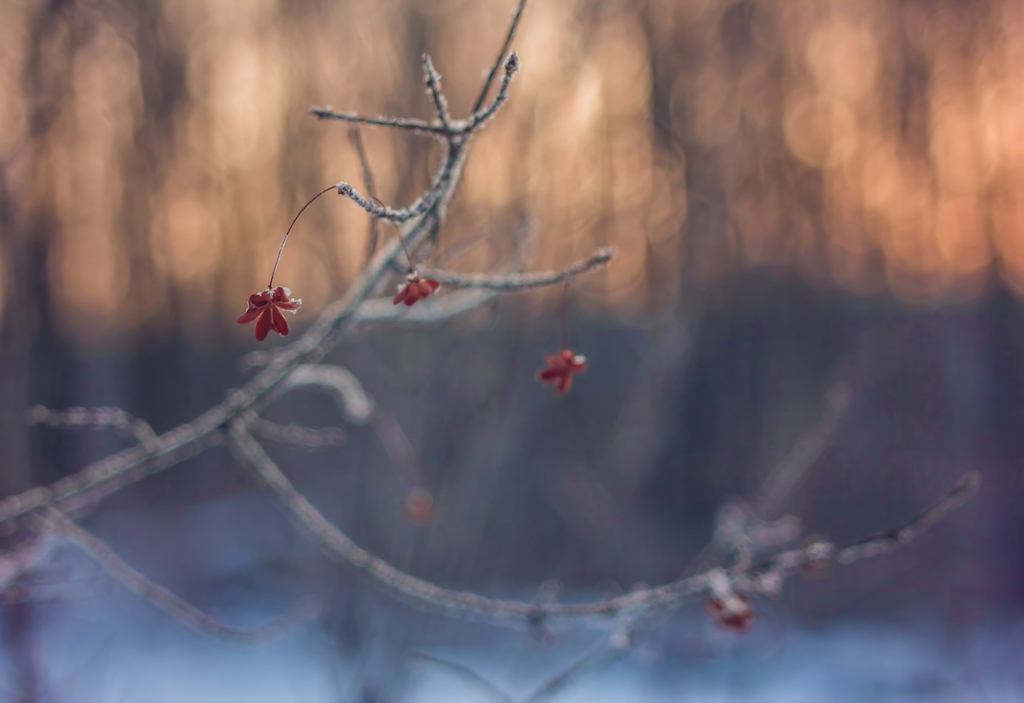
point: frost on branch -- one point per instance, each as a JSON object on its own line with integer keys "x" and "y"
{"x": 749, "y": 541}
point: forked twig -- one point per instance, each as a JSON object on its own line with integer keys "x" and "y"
{"x": 339, "y": 318}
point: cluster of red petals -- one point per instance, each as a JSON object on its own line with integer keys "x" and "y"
{"x": 266, "y": 307}
{"x": 560, "y": 368}
{"x": 734, "y": 614}
{"x": 414, "y": 289}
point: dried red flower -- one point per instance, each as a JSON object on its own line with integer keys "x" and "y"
{"x": 265, "y": 307}
{"x": 560, "y": 369}
{"x": 733, "y": 613}
{"x": 414, "y": 289}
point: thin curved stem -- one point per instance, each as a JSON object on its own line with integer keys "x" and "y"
{"x": 285, "y": 240}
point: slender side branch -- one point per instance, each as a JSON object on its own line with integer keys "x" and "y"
{"x": 516, "y": 16}
{"x": 433, "y": 81}
{"x": 431, "y": 311}
{"x": 409, "y": 124}
{"x": 440, "y": 189}
{"x": 77, "y": 418}
{"x": 480, "y": 116}
{"x": 339, "y": 318}
{"x": 356, "y": 137}
{"x": 768, "y": 577}
{"x": 768, "y": 580}
{"x": 965, "y": 489}
{"x": 299, "y": 436}
{"x": 788, "y": 473}
{"x": 521, "y": 281}
{"x": 389, "y": 213}
{"x": 55, "y": 521}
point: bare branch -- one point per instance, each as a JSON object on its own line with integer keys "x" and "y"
{"x": 766, "y": 580}
{"x": 481, "y": 116}
{"x": 433, "y": 81}
{"x": 98, "y": 418}
{"x": 356, "y": 137}
{"x": 788, "y": 473}
{"x": 409, "y": 124}
{"x": 516, "y": 16}
{"x": 126, "y": 467}
{"x": 353, "y": 401}
{"x": 429, "y": 312}
{"x": 521, "y": 281}
{"x": 163, "y": 599}
{"x": 299, "y": 436}
{"x": 768, "y": 577}
{"x": 965, "y": 489}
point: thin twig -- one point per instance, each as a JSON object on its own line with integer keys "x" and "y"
{"x": 481, "y": 116}
{"x": 516, "y": 16}
{"x": 431, "y": 311}
{"x": 296, "y": 435}
{"x": 251, "y": 454}
{"x": 356, "y": 137}
{"x": 521, "y": 281}
{"x": 788, "y": 473}
{"x": 78, "y": 418}
{"x": 785, "y": 563}
{"x": 410, "y": 124}
{"x": 163, "y": 599}
{"x": 422, "y": 204}
{"x": 433, "y": 81}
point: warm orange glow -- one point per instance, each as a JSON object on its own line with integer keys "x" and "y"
{"x": 861, "y": 144}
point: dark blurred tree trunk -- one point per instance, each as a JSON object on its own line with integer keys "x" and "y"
{"x": 28, "y": 341}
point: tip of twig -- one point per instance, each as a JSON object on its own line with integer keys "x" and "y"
{"x": 512, "y": 63}
{"x": 968, "y": 485}
{"x": 605, "y": 254}
{"x": 344, "y": 189}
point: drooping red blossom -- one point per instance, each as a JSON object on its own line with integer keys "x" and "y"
{"x": 265, "y": 307}
{"x": 414, "y": 289}
{"x": 733, "y": 613}
{"x": 560, "y": 368}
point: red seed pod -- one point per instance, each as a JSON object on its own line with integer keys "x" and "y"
{"x": 733, "y": 613}
{"x": 560, "y": 368}
{"x": 414, "y": 289}
{"x": 265, "y": 307}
